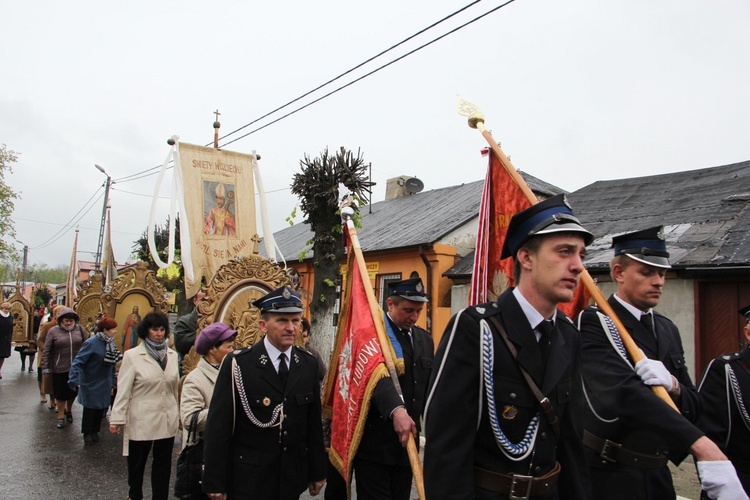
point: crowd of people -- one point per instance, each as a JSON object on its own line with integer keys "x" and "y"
{"x": 517, "y": 400}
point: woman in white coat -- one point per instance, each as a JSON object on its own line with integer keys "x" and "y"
{"x": 147, "y": 406}
{"x": 213, "y": 343}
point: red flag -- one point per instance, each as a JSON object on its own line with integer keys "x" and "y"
{"x": 357, "y": 364}
{"x": 501, "y": 199}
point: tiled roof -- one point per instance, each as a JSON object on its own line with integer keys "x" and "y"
{"x": 409, "y": 221}
{"x": 705, "y": 213}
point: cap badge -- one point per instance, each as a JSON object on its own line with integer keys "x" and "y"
{"x": 419, "y": 287}
{"x": 660, "y": 234}
{"x": 565, "y": 201}
{"x": 266, "y": 401}
{"x": 286, "y": 293}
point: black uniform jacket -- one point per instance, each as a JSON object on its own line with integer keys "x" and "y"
{"x": 636, "y": 417}
{"x": 457, "y": 428}
{"x": 379, "y": 441}
{"x": 721, "y": 418}
{"x": 273, "y": 462}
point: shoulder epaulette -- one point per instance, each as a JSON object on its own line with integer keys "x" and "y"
{"x": 726, "y": 358}
{"x": 484, "y": 310}
{"x": 302, "y": 349}
{"x": 242, "y": 350}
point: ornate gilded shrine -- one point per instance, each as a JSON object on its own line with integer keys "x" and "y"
{"x": 229, "y": 298}
{"x": 134, "y": 293}
{"x": 22, "y": 313}
{"x": 88, "y": 304}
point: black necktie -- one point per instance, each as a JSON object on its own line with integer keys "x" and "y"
{"x": 545, "y": 329}
{"x": 648, "y": 322}
{"x": 283, "y": 368}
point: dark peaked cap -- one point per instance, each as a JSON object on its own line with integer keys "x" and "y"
{"x": 552, "y": 215}
{"x": 647, "y": 246}
{"x": 281, "y": 300}
{"x": 745, "y": 311}
{"x": 410, "y": 289}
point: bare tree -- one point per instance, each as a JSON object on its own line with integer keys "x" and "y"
{"x": 318, "y": 189}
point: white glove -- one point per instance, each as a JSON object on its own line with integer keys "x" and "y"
{"x": 653, "y": 372}
{"x": 719, "y": 480}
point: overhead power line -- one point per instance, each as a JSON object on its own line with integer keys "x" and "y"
{"x": 153, "y": 170}
{"x": 70, "y": 224}
{"x": 410, "y": 37}
{"x": 370, "y": 73}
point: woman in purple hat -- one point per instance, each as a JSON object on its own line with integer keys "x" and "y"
{"x": 213, "y": 344}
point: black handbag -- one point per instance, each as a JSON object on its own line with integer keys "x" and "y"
{"x": 187, "y": 485}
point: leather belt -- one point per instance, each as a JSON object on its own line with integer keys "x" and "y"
{"x": 616, "y": 453}
{"x": 517, "y": 486}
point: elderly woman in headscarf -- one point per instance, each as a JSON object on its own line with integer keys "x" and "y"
{"x": 93, "y": 376}
{"x": 60, "y": 349}
{"x": 147, "y": 405}
{"x": 45, "y": 379}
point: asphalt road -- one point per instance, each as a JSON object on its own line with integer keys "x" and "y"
{"x": 40, "y": 461}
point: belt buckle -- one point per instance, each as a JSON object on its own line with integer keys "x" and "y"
{"x": 518, "y": 477}
{"x": 608, "y": 446}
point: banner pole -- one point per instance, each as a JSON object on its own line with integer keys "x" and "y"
{"x": 411, "y": 447}
{"x": 476, "y": 120}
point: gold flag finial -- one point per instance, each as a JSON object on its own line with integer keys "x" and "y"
{"x": 466, "y": 108}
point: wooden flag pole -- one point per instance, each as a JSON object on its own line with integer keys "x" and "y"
{"x": 476, "y": 120}
{"x": 411, "y": 447}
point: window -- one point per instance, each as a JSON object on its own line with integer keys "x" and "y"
{"x": 383, "y": 281}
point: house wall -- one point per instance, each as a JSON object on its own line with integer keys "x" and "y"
{"x": 677, "y": 303}
{"x": 464, "y": 238}
{"x": 404, "y": 262}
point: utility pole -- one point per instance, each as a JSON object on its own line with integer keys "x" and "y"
{"x": 25, "y": 262}
{"x": 98, "y": 262}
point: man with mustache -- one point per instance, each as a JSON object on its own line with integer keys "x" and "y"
{"x": 630, "y": 433}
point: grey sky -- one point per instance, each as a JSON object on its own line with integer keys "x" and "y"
{"x": 575, "y": 91}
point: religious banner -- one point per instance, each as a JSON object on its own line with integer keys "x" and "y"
{"x": 108, "y": 262}
{"x": 357, "y": 366}
{"x": 220, "y": 208}
{"x": 215, "y": 191}
{"x": 502, "y": 197}
{"x": 71, "y": 285}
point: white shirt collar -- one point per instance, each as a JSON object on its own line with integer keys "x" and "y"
{"x": 273, "y": 353}
{"x": 532, "y": 315}
{"x": 637, "y": 313}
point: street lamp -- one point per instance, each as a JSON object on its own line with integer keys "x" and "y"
{"x": 97, "y": 263}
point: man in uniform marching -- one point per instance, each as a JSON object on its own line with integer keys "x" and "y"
{"x": 503, "y": 415}
{"x": 725, "y": 396}
{"x": 382, "y": 465}
{"x": 263, "y": 436}
{"x": 630, "y": 433}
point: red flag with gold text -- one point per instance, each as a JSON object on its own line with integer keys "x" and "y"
{"x": 501, "y": 199}
{"x": 357, "y": 365}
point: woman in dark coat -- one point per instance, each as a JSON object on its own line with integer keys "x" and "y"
{"x": 93, "y": 376}
{"x": 60, "y": 349}
{"x": 6, "y": 332}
